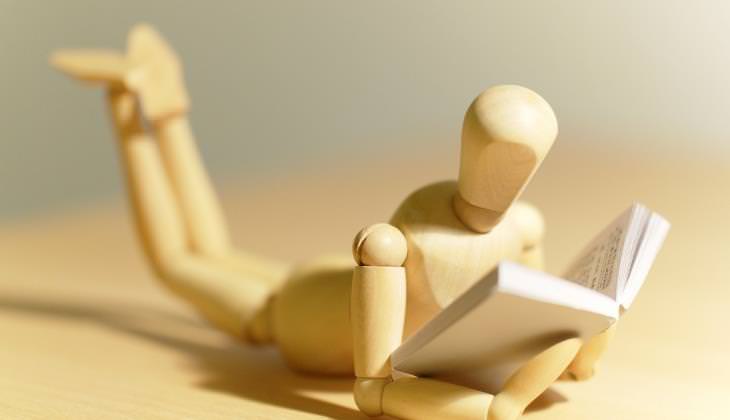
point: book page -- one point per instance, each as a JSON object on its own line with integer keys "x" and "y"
{"x": 648, "y": 248}
{"x": 597, "y": 266}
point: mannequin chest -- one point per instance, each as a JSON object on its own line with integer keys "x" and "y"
{"x": 444, "y": 257}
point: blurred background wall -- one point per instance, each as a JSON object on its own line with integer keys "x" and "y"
{"x": 283, "y": 85}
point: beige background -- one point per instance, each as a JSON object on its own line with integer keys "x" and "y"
{"x": 282, "y": 85}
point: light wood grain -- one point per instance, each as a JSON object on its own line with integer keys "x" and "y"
{"x": 507, "y": 132}
{"x": 377, "y": 307}
{"x": 418, "y": 398}
{"x": 197, "y": 199}
{"x": 532, "y": 379}
{"x": 88, "y": 334}
{"x": 311, "y": 319}
{"x": 445, "y": 257}
{"x": 378, "y": 310}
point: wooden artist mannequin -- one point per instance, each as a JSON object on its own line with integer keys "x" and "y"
{"x": 327, "y": 316}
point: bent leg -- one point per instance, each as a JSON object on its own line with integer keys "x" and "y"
{"x": 165, "y": 100}
{"x": 157, "y": 217}
{"x": 418, "y": 398}
{"x": 532, "y": 379}
{"x": 272, "y": 272}
{"x": 227, "y": 297}
{"x": 201, "y": 210}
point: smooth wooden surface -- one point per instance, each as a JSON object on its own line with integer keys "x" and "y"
{"x": 444, "y": 256}
{"x": 87, "y": 333}
{"x": 507, "y": 132}
{"x": 377, "y": 313}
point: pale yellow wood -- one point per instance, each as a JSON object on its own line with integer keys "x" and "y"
{"x": 150, "y": 68}
{"x": 368, "y": 394}
{"x": 380, "y": 244}
{"x": 88, "y": 336}
{"x": 532, "y": 379}
{"x": 103, "y": 66}
{"x": 445, "y": 257}
{"x": 533, "y": 257}
{"x": 378, "y": 301}
{"x": 157, "y": 78}
{"x": 203, "y": 215}
{"x": 228, "y": 298}
{"x": 311, "y": 317}
{"x": 270, "y": 270}
{"x": 530, "y": 223}
{"x": 476, "y": 218}
{"x": 417, "y": 398}
{"x": 532, "y": 227}
{"x": 440, "y": 267}
{"x": 507, "y": 132}
{"x": 378, "y": 307}
{"x": 584, "y": 365}
{"x": 175, "y": 208}
{"x": 157, "y": 215}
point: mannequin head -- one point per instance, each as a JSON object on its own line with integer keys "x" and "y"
{"x": 507, "y": 132}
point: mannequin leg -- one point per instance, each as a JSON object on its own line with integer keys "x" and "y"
{"x": 227, "y": 297}
{"x": 419, "y": 398}
{"x": 532, "y": 379}
{"x": 201, "y": 211}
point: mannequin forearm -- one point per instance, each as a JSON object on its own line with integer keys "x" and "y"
{"x": 377, "y": 310}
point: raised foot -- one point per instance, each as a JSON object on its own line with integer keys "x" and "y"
{"x": 150, "y": 69}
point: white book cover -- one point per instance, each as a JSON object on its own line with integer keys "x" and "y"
{"x": 515, "y": 312}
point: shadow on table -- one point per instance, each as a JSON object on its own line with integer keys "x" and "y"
{"x": 254, "y": 374}
{"x": 251, "y": 373}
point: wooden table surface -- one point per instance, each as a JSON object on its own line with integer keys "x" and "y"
{"x": 86, "y": 333}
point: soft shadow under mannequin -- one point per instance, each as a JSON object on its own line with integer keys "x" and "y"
{"x": 257, "y": 374}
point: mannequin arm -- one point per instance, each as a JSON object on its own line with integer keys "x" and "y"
{"x": 378, "y": 313}
{"x": 378, "y": 307}
{"x": 532, "y": 229}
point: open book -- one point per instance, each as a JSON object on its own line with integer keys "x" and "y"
{"x": 515, "y": 312}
